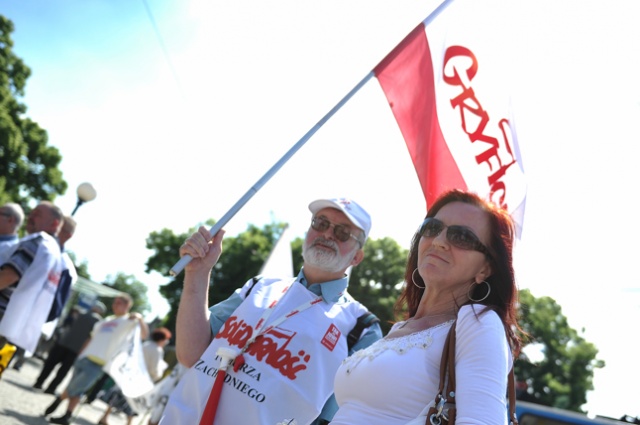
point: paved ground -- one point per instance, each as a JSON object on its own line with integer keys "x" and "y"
{"x": 21, "y": 404}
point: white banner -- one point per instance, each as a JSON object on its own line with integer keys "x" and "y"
{"x": 155, "y": 400}
{"x": 128, "y": 369}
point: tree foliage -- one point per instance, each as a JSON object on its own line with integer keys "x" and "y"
{"x": 28, "y": 166}
{"x": 129, "y": 284}
{"x": 377, "y": 280}
{"x": 82, "y": 268}
{"x": 565, "y": 372}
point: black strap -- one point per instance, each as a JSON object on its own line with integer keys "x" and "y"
{"x": 364, "y": 321}
{"x": 255, "y": 280}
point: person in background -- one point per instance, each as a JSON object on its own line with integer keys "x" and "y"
{"x": 66, "y": 350}
{"x": 47, "y": 344}
{"x": 459, "y": 273}
{"x": 68, "y": 277}
{"x": 11, "y": 218}
{"x": 153, "y": 351}
{"x": 107, "y": 336}
{"x": 29, "y": 278}
{"x": 288, "y": 365}
{"x": 75, "y": 312}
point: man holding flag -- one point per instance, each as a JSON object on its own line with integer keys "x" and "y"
{"x": 284, "y": 337}
{"x": 449, "y": 98}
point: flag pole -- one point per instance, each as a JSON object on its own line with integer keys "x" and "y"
{"x": 437, "y": 11}
{"x": 180, "y": 265}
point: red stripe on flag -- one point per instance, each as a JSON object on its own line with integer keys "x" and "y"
{"x": 406, "y": 77}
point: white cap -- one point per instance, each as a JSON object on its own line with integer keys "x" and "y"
{"x": 354, "y": 212}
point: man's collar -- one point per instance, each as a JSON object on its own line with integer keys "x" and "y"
{"x": 330, "y": 290}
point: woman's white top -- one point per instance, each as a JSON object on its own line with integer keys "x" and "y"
{"x": 391, "y": 381}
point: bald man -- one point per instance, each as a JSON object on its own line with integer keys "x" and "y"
{"x": 29, "y": 278}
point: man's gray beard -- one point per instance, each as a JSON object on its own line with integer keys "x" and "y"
{"x": 326, "y": 260}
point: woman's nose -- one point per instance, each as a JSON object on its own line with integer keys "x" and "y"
{"x": 441, "y": 239}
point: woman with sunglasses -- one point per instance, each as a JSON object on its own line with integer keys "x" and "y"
{"x": 459, "y": 273}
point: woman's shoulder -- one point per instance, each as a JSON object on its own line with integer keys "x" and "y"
{"x": 480, "y": 328}
{"x": 478, "y": 315}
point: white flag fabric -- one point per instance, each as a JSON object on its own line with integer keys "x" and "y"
{"x": 127, "y": 367}
{"x": 280, "y": 261}
{"x": 155, "y": 400}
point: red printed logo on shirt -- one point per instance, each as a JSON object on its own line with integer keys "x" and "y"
{"x": 331, "y": 337}
{"x": 270, "y": 347}
{"x": 53, "y": 278}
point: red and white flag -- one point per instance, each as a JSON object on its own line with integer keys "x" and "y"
{"x": 447, "y": 84}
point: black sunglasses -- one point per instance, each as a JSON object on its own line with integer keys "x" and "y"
{"x": 340, "y": 231}
{"x": 458, "y": 236}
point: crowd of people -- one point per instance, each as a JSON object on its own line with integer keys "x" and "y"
{"x": 296, "y": 350}
{"x": 36, "y": 280}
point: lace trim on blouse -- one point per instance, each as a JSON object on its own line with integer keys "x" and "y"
{"x": 421, "y": 339}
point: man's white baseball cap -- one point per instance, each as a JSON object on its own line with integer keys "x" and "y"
{"x": 354, "y": 212}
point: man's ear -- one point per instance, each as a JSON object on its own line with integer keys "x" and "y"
{"x": 357, "y": 259}
{"x": 57, "y": 226}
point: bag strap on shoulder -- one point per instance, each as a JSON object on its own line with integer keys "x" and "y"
{"x": 445, "y": 408}
{"x": 364, "y": 321}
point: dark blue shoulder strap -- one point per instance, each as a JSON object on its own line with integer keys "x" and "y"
{"x": 364, "y": 321}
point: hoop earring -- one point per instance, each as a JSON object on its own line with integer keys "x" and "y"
{"x": 413, "y": 279}
{"x": 485, "y": 296}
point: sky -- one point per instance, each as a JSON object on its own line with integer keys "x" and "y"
{"x": 174, "y": 110}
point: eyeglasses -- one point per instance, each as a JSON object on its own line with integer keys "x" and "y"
{"x": 340, "y": 231}
{"x": 458, "y": 236}
{"x": 6, "y": 214}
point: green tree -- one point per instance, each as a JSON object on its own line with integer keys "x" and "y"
{"x": 82, "y": 268}
{"x": 242, "y": 258}
{"x": 296, "y": 252}
{"x": 28, "y": 166}
{"x": 377, "y": 280}
{"x": 565, "y": 372}
{"x": 129, "y": 284}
